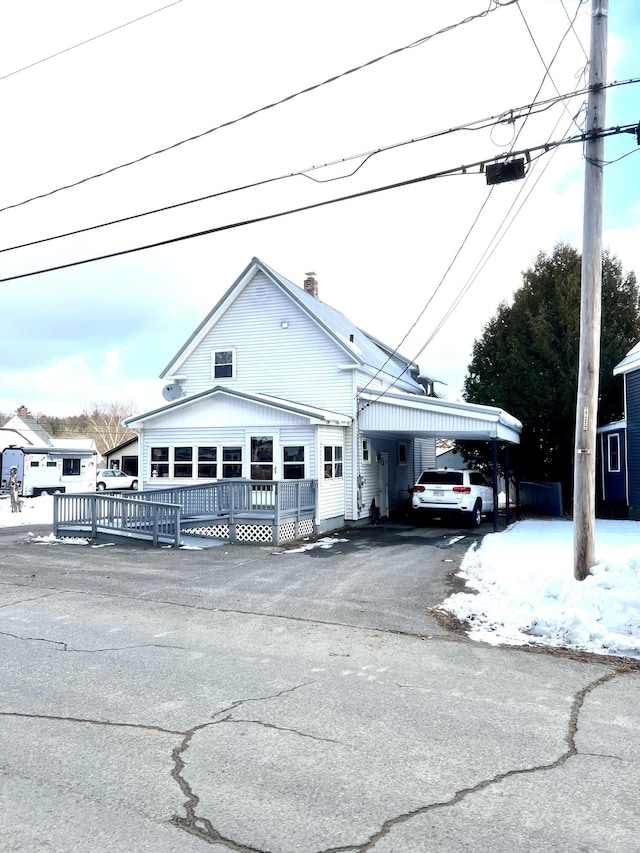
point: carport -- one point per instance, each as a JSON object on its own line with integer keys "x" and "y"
{"x": 431, "y": 417}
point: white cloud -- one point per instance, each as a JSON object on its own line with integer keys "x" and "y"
{"x": 190, "y": 68}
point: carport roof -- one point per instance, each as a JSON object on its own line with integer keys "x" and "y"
{"x": 431, "y": 417}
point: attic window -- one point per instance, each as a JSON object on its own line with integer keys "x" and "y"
{"x": 223, "y": 364}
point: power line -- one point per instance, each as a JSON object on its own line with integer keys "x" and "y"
{"x": 475, "y": 221}
{"x": 493, "y": 6}
{"x": 87, "y": 41}
{"x": 510, "y": 115}
{"x": 547, "y": 68}
{"x": 473, "y": 225}
{"x": 462, "y": 170}
{"x": 572, "y": 22}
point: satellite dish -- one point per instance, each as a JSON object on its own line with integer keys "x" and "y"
{"x": 172, "y": 391}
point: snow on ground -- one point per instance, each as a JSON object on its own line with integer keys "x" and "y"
{"x": 34, "y": 511}
{"x": 524, "y": 591}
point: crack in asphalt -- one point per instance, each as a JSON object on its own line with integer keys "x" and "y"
{"x": 202, "y": 827}
{"x": 91, "y": 722}
{"x": 287, "y": 618}
{"x": 279, "y": 729}
{"x": 570, "y": 752}
{"x": 66, "y": 648}
{"x": 25, "y": 600}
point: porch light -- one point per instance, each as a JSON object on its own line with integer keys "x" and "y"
{"x": 285, "y": 324}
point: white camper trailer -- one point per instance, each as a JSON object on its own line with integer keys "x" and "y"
{"x": 46, "y": 470}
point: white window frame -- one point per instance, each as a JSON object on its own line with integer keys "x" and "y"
{"x": 333, "y": 462}
{"x": 366, "y": 451}
{"x": 610, "y": 468}
{"x": 233, "y": 363}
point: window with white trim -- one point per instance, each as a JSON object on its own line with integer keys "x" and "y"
{"x": 366, "y": 450}
{"x": 203, "y": 462}
{"x": 208, "y": 463}
{"x": 231, "y": 462}
{"x": 293, "y": 462}
{"x": 333, "y": 462}
{"x": 403, "y": 452}
{"x": 223, "y": 364}
{"x": 70, "y": 467}
{"x": 182, "y": 462}
{"x": 159, "y": 461}
{"x": 614, "y": 453}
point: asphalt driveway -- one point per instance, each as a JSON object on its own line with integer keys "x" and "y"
{"x": 252, "y": 698}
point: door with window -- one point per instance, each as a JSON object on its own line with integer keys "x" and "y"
{"x": 261, "y": 457}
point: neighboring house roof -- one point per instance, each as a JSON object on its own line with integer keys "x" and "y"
{"x": 121, "y": 446}
{"x": 631, "y": 361}
{"x": 30, "y": 429}
{"x": 361, "y": 348}
{"x": 12, "y": 436}
{"x": 433, "y": 417}
{"x": 313, "y": 414}
{"x": 75, "y": 443}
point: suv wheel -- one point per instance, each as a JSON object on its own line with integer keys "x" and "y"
{"x": 475, "y": 516}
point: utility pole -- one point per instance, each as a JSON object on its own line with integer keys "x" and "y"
{"x": 590, "y": 302}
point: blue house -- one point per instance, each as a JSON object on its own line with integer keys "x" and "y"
{"x": 618, "y": 486}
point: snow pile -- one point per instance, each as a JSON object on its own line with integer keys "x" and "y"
{"x": 525, "y": 592}
{"x": 34, "y": 511}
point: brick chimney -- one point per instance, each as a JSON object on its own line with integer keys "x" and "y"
{"x": 310, "y": 284}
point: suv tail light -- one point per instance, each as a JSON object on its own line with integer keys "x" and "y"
{"x": 417, "y": 489}
{"x": 462, "y": 490}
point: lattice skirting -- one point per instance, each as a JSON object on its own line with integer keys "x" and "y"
{"x": 255, "y": 532}
{"x": 214, "y": 531}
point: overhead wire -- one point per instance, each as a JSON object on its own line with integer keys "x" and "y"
{"x": 466, "y": 237}
{"x": 87, "y": 41}
{"x": 477, "y": 124}
{"x": 547, "y": 68}
{"x": 493, "y": 6}
{"x": 462, "y": 169}
{"x": 575, "y": 32}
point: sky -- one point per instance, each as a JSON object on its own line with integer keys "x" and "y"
{"x": 521, "y": 589}
{"x": 409, "y": 265}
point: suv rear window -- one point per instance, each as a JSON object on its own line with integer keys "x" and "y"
{"x": 441, "y": 478}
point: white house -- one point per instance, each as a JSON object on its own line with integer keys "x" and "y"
{"x": 275, "y": 385}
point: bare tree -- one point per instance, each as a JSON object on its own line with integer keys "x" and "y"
{"x": 104, "y": 424}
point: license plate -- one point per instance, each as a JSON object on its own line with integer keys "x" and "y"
{"x": 438, "y": 493}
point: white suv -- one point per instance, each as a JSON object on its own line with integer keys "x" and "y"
{"x": 444, "y": 491}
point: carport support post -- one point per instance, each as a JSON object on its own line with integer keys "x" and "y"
{"x": 507, "y": 477}
{"x": 494, "y": 460}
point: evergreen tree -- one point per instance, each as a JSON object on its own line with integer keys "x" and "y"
{"x": 526, "y": 360}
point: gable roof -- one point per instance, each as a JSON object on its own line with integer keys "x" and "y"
{"x": 12, "y": 436}
{"x": 360, "y": 348}
{"x": 312, "y": 413}
{"x": 30, "y": 429}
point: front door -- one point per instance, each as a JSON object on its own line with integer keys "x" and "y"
{"x": 261, "y": 456}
